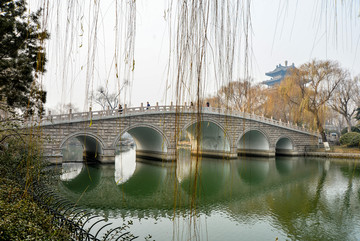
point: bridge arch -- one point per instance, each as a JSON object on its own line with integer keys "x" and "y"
{"x": 214, "y": 137}
{"x": 284, "y": 145}
{"x": 148, "y": 138}
{"x": 254, "y": 142}
{"x": 93, "y": 144}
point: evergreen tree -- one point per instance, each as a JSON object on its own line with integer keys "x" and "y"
{"x": 22, "y": 56}
{"x": 357, "y": 116}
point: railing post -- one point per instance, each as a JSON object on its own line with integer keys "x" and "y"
{"x": 171, "y": 105}
{"x": 90, "y": 114}
{"x": 125, "y": 108}
{"x": 70, "y": 112}
{"x": 157, "y": 106}
{"x": 141, "y": 107}
{"x": 49, "y": 113}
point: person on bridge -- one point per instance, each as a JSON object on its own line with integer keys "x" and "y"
{"x": 207, "y": 104}
{"x": 147, "y": 105}
{"x": 120, "y": 109}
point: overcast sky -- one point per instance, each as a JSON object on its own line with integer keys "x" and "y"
{"x": 297, "y": 31}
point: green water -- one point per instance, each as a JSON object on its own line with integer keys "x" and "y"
{"x": 243, "y": 199}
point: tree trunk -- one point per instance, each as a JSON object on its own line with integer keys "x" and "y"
{"x": 321, "y": 129}
{"x": 348, "y": 122}
{"x": 323, "y": 136}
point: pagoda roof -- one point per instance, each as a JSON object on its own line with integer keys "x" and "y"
{"x": 278, "y": 74}
{"x": 280, "y": 69}
{"x": 277, "y": 79}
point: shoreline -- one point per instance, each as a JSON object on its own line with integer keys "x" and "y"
{"x": 333, "y": 155}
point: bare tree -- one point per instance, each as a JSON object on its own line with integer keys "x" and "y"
{"x": 346, "y": 98}
{"x": 317, "y": 81}
{"x": 241, "y": 95}
{"x": 105, "y": 98}
{"x": 64, "y": 108}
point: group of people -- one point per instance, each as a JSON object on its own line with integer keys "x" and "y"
{"x": 120, "y": 110}
{"x": 207, "y": 104}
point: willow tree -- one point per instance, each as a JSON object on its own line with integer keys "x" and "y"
{"x": 278, "y": 104}
{"x": 282, "y": 103}
{"x": 317, "y": 82}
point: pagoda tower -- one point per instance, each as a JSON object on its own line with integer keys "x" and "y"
{"x": 278, "y": 74}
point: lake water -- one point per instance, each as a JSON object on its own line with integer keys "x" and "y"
{"x": 214, "y": 199}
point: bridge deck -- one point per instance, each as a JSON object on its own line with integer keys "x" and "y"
{"x": 106, "y": 114}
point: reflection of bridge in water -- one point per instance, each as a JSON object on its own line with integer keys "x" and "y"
{"x": 157, "y": 132}
{"x": 139, "y": 185}
{"x": 284, "y": 191}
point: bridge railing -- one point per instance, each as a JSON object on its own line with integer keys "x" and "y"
{"x": 95, "y": 115}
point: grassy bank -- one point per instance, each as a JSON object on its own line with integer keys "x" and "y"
{"x": 339, "y": 149}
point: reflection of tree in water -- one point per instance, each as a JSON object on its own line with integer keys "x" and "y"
{"x": 314, "y": 216}
{"x": 351, "y": 170}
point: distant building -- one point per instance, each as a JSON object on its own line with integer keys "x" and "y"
{"x": 278, "y": 74}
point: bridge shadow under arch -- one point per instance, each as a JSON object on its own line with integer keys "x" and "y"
{"x": 213, "y": 139}
{"x": 92, "y": 144}
{"x": 254, "y": 143}
{"x": 203, "y": 181}
{"x": 150, "y": 141}
{"x": 85, "y": 180}
{"x": 253, "y": 171}
{"x": 144, "y": 182}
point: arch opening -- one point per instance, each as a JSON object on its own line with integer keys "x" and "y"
{"x": 213, "y": 140}
{"x": 149, "y": 142}
{"x": 284, "y": 146}
{"x": 81, "y": 146}
{"x": 254, "y": 143}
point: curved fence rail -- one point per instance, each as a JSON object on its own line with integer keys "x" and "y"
{"x": 96, "y": 115}
{"x": 82, "y": 223}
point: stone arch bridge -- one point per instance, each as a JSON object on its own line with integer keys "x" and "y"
{"x": 159, "y": 130}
